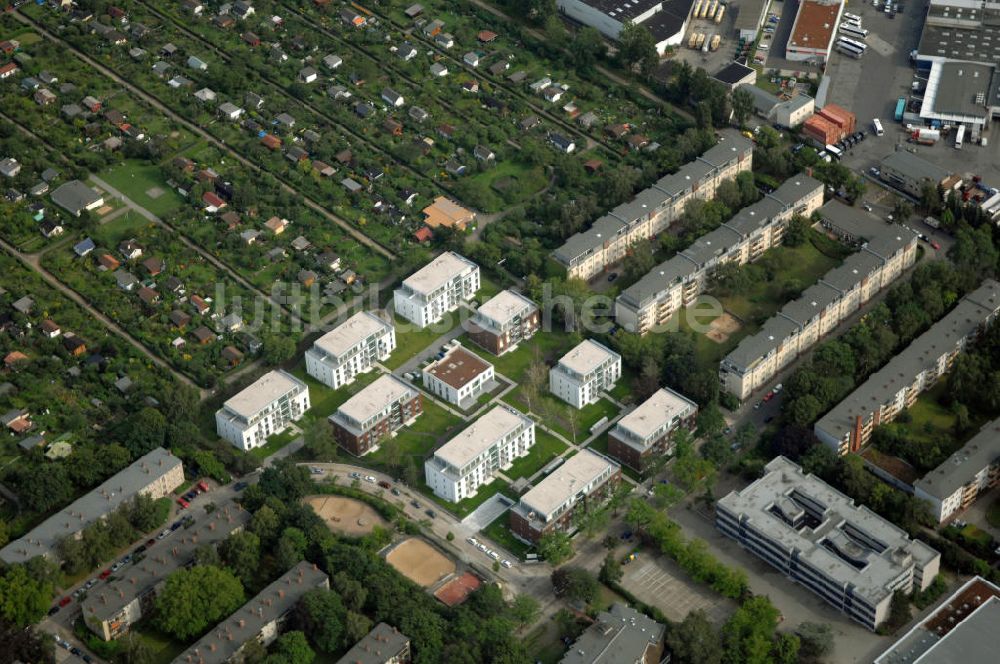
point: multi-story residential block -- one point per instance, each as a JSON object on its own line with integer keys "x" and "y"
{"x": 583, "y": 373}
{"x": 155, "y": 474}
{"x": 437, "y": 288}
{"x": 894, "y": 388}
{"x": 374, "y": 413}
{"x": 504, "y": 321}
{"x": 803, "y": 322}
{"x": 583, "y": 481}
{"x": 964, "y": 476}
{"x": 263, "y": 409}
{"x": 351, "y": 348}
{"x": 111, "y": 608}
{"x": 259, "y": 620}
{"x": 606, "y": 242}
{"x": 383, "y": 645}
{"x": 459, "y": 377}
{"x": 472, "y": 458}
{"x": 620, "y": 635}
{"x": 652, "y": 300}
{"x": 646, "y": 433}
{"x": 845, "y": 553}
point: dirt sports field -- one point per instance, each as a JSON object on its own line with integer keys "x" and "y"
{"x": 420, "y": 562}
{"x": 458, "y": 590}
{"x": 345, "y": 515}
{"x": 722, "y": 327}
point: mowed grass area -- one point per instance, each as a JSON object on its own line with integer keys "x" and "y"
{"x": 547, "y": 347}
{"x": 162, "y": 648}
{"x": 467, "y": 506}
{"x": 273, "y": 444}
{"x": 507, "y": 182}
{"x": 324, "y": 401}
{"x": 135, "y": 179}
{"x": 501, "y": 534}
{"x": 410, "y": 339}
{"x": 546, "y": 448}
{"x": 561, "y": 416}
{"x": 126, "y": 226}
{"x": 431, "y": 428}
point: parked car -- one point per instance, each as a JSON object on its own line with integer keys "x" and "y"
{"x": 315, "y": 471}
{"x": 472, "y": 540}
{"x": 105, "y": 574}
{"x": 65, "y": 600}
{"x": 384, "y": 484}
{"x": 163, "y": 534}
{"x": 183, "y": 503}
{"x": 431, "y": 513}
{"x": 394, "y": 491}
{"x": 239, "y": 486}
{"x": 779, "y": 387}
{"x": 934, "y": 243}
{"x": 612, "y": 276}
{"x": 415, "y": 504}
{"x": 370, "y": 479}
{"x": 54, "y": 610}
{"x": 506, "y": 563}
{"x": 87, "y": 658}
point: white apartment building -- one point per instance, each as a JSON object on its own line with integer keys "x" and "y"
{"x": 472, "y": 458}
{"x": 459, "y": 377}
{"x": 503, "y": 321}
{"x": 652, "y": 300}
{"x": 352, "y": 348}
{"x": 262, "y": 410}
{"x": 964, "y": 476}
{"x": 802, "y": 323}
{"x": 584, "y": 372}
{"x": 846, "y": 554}
{"x": 590, "y": 252}
{"x": 645, "y": 433}
{"x": 437, "y": 288}
{"x": 895, "y": 387}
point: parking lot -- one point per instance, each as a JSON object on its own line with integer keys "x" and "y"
{"x": 659, "y": 582}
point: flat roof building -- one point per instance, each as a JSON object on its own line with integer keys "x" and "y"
{"x": 436, "y": 289}
{"x": 964, "y": 476}
{"x": 666, "y": 20}
{"x": 155, "y": 474}
{"x": 75, "y": 197}
{"x": 814, "y": 30}
{"x": 472, "y": 458}
{"x": 263, "y": 409}
{"x": 504, "y": 321}
{"x": 905, "y": 170}
{"x": 259, "y": 619}
{"x": 459, "y": 377}
{"x": 383, "y": 645}
{"x": 895, "y": 387}
{"x": 644, "y": 435}
{"x": 374, "y": 413}
{"x": 351, "y": 348}
{"x": 750, "y": 16}
{"x": 845, "y": 553}
{"x": 584, "y": 480}
{"x": 620, "y": 635}
{"x": 584, "y": 372}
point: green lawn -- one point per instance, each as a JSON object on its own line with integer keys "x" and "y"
{"x": 136, "y": 178}
{"x": 506, "y": 183}
{"x": 930, "y": 419}
{"x": 546, "y": 346}
{"x": 323, "y": 400}
{"x": 500, "y": 533}
{"x": 163, "y": 649}
{"x": 464, "y": 508}
{"x": 410, "y": 339}
{"x": 559, "y": 415}
{"x": 547, "y": 447}
{"x": 544, "y": 645}
{"x": 434, "y": 426}
{"x": 993, "y": 514}
{"x": 274, "y": 443}
{"x": 126, "y": 226}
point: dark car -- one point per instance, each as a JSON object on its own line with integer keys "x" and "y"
{"x": 394, "y": 491}
{"x": 150, "y": 542}
{"x": 87, "y": 658}
{"x": 415, "y": 504}
{"x": 139, "y": 549}
{"x": 54, "y": 610}
{"x": 431, "y": 513}
{"x": 239, "y": 486}
{"x": 612, "y": 276}
{"x": 75, "y": 650}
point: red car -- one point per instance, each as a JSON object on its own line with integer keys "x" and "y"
{"x": 935, "y": 244}
{"x": 105, "y": 574}
{"x": 203, "y": 486}
{"x": 768, "y": 396}
{"x": 183, "y": 503}
{"x": 65, "y": 600}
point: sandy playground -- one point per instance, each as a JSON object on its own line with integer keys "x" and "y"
{"x": 420, "y": 562}
{"x": 345, "y": 515}
{"x": 722, "y": 327}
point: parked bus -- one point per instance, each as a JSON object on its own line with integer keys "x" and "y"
{"x": 852, "y": 42}
{"x": 850, "y": 51}
{"x": 853, "y": 30}
{"x": 835, "y": 151}
{"x": 854, "y": 18}
{"x": 878, "y": 127}
{"x": 960, "y": 137}
{"x": 900, "y": 109}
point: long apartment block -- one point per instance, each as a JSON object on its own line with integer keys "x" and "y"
{"x": 645, "y": 435}
{"x": 584, "y": 481}
{"x": 894, "y": 388}
{"x": 351, "y": 348}
{"x": 258, "y": 620}
{"x": 677, "y": 282}
{"x": 437, "y": 288}
{"x": 156, "y": 474}
{"x": 583, "y": 373}
{"x": 111, "y": 608}
{"x": 472, "y": 458}
{"x": 803, "y": 322}
{"x": 964, "y": 476}
{"x": 263, "y": 409}
{"x": 846, "y": 554}
{"x": 374, "y": 413}
{"x": 606, "y": 242}
{"x": 504, "y": 321}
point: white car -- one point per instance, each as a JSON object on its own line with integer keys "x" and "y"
{"x": 778, "y": 388}
{"x": 506, "y": 563}
{"x": 494, "y": 555}
{"x": 370, "y": 478}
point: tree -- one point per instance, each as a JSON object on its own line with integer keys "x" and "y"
{"x": 278, "y": 348}
{"x": 321, "y": 614}
{"x": 694, "y": 640}
{"x": 352, "y": 592}
{"x": 524, "y": 609}
{"x": 575, "y": 584}
{"x": 798, "y": 231}
{"x": 356, "y": 626}
{"x": 637, "y": 48}
{"x": 816, "y": 640}
{"x": 143, "y": 432}
{"x": 640, "y": 260}
{"x": 749, "y": 634}
{"x": 195, "y": 598}
{"x": 265, "y": 523}
{"x": 319, "y": 441}
{"x": 291, "y": 648}
{"x": 555, "y": 547}
{"x": 611, "y": 570}
{"x": 241, "y": 553}
{"x": 24, "y": 599}
{"x": 26, "y": 645}
{"x": 291, "y": 548}
{"x": 586, "y": 48}
{"x": 743, "y": 106}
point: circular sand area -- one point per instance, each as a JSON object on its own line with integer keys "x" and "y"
{"x": 345, "y": 515}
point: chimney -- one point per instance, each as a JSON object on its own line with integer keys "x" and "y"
{"x": 281, "y": 594}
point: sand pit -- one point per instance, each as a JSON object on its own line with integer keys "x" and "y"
{"x": 103, "y": 210}
{"x": 345, "y": 515}
{"x": 155, "y": 192}
{"x": 722, "y": 327}
{"x": 458, "y": 590}
{"x": 420, "y": 562}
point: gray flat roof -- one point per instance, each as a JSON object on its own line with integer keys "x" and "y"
{"x": 754, "y": 347}
{"x": 589, "y": 240}
{"x": 656, "y": 411}
{"x": 967, "y": 316}
{"x": 621, "y": 10}
{"x": 749, "y": 13}
{"x": 981, "y": 451}
{"x": 565, "y": 481}
{"x": 438, "y": 272}
{"x": 382, "y": 642}
{"x": 74, "y": 196}
{"x": 763, "y": 101}
{"x": 913, "y": 167}
{"x": 850, "y": 221}
{"x": 503, "y": 306}
{"x": 586, "y": 356}
{"x": 976, "y": 639}
{"x": 265, "y": 390}
{"x": 106, "y": 498}
{"x": 750, "y": 219}
{"x": 855, "y": 268}
{"x": 811, "y": 303}
{"x": 481, "y": 435}
{"x": 956, "y": 87}
{"x": 733, "y": 73}
{"x": 960, "y": 30}
{"x": 619, "y": 635}
{"x": 374, "y": 398}
{"x": 658, "y": 279}
{"x": 353, "y": 331}
{"x": 787, "y": 489}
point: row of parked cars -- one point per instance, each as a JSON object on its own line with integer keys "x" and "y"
{"x": 63, "y": 643}
{"x": 489, "y": 552}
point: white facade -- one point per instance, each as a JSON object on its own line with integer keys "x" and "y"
{"x": 437, "y": 288}
{"x": 459, "y": 377}
{"x": 352, "y": 348}
{"x": 263, "y": 409}
{"x": 472, "y": 458}
{"x": 584, "y": 372}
